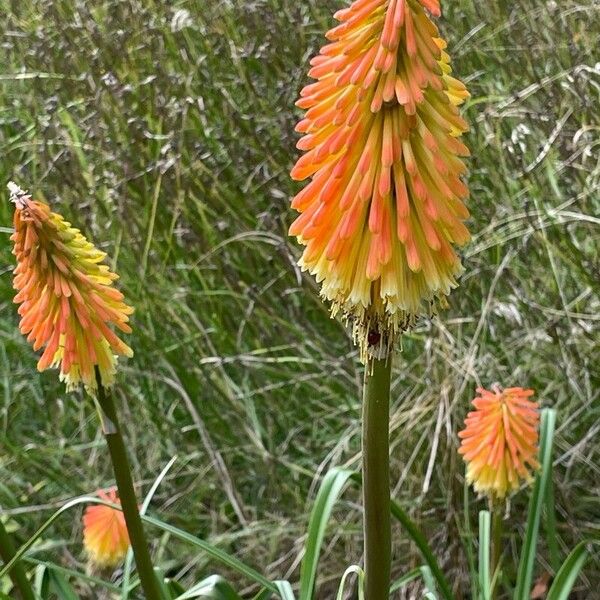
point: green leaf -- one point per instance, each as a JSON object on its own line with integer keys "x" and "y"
{"x": 126, "y": 587}
{"x": 70, "y": 573}
{"x": 331, "y": 488}
{"x": 361, "y": 582}
{"x": 211, "y": 550}
{"x": 528, "y": 554}
{"x": 41, "y": 581}
{"x": 264, "y": 594}
{"x": 214, "y": 552}
{"x": 568, "y": 572}
{"x": 61, "y": 587}
{"x": 285, "y": 590}
{"x": 417, "y": 536}
{"x": 214, "y": 587}
{"x": 407, "y": 578}
{"x": 484, "y": 555}
{"x": 430, "y": 587}
{"x": 550, "y": 526}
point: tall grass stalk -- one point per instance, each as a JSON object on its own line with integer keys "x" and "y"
{"x": 122, "y": 470}
{"x": 376, "y": 479}
{"x": 17, "y": 573}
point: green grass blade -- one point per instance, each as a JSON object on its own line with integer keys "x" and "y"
{"x": 126, "y": 587}
{"x": 550, "y": 526}
{"x": 214, "y": 587}
{"x": 72, "y": 573}
{"x": 211, "y": 550}
{"x": 568, "y": 573}
{"x": 417, "y": 536}
{"x": 61, "y": 587}
{"x": 214, "y": 552}
{"x": 527, "y": 561}
{"x": 406, "y": 578}
{"x": 484, "y": 555}
{"x": 330, "y": 490}
{"x": 285, "y": 590}
{"x": 468, "y": 542}
{"x": 361, "y": 582}
{"x": 430, "y": 587}
{"x": 263, "y": 595}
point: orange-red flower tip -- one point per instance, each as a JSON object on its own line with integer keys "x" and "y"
{"x": 105, "y": 535}
{"x": 500, "y": 440}
{"x": 67, "y": 302}
{"x": 384, "y": 207}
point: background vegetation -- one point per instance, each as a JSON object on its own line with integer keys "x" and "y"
{"x": 166, "y": 131}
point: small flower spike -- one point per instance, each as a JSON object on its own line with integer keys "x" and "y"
{"x": 105, "y": 534}
{"x": 500, "y": 441}
{"x": 66, "y": 296}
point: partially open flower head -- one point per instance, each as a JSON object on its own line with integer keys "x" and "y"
{"x": 67, "y": 301}
{"x": 384, "y": 206}
{"x": 500, "y": 440}
{"x": 105, "y": 534}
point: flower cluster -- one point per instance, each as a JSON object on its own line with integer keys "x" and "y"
{"x": 381, "y": 139}
{"x": 105, "y": 534}
{"x": 66, "y": 297}
{"x": 500, "y": 440}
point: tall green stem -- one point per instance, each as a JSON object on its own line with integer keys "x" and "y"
{"x": 118, "y": 455}
{"x": 17, "y": 573}
{"x": 376, "y": 479}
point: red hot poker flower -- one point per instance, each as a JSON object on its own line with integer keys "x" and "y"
{"x": 500, "y": 440}
{"x": 67, "y": 301}
{"x": 384, "y": 205}
{"x": 105, "y": 535}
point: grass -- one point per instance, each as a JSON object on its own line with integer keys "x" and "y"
{"x": 166, "y": 132}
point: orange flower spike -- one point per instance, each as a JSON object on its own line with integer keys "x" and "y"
{"x": 500, "y": 440}
{"x": 105, "y": 536}
{"x": 65, "y": 296}
{"x": 384, "y": 205}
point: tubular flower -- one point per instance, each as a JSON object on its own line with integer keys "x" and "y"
{"x": 385, "y": 202}
{"x": 105, "y": 535}
{"x": 500, "y": 440}
{"x": 66, "y": 297}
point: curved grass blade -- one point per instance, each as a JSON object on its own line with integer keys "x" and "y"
{"x": 285, "y": 590}
{"x": 72, "y": 573}
{"x": 484, "y": 555}
{"x": 407, "y": 578}
{"x": 361, "y": 582}
{"x": 211, "y": 550}
{"x": 417, "y": 536}
{"x": 569, "y": 571}
{"x": 430, "y": 587}
{"x": 330, "y": 490}
{"x": 527, "y": 561}
{"x": 126, "y": 587}
{"x": 214, "y": 587}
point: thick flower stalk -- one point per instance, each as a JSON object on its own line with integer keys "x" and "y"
{"x": 68, "y": 305}
{"x": 500, "y": 441}
{"x": 67, "y": 301}
{"x": 384, "y": 206}
{"x": 105, "y": 536}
